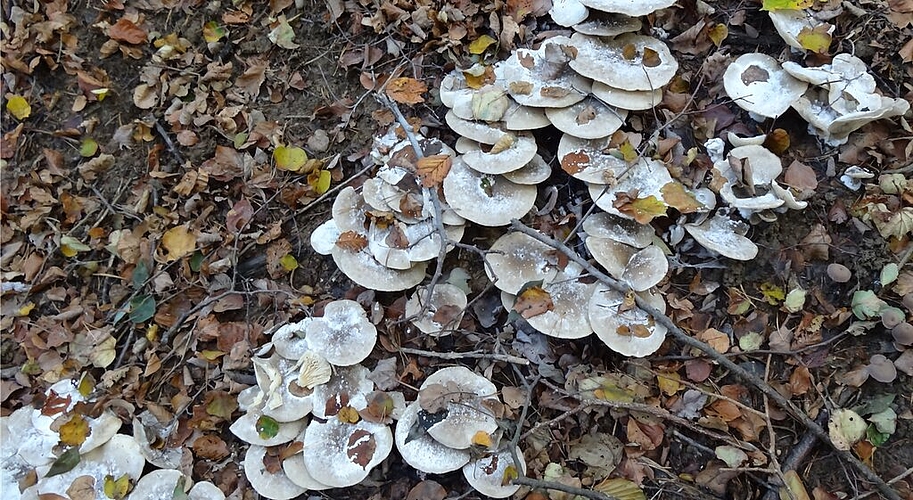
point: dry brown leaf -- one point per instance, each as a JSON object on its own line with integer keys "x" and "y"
{"x": 676, "y": 196}
{"x": 352, "y": 241}
{"x": 406, "y": 90}
{"x": 125, "y": 30}
{"x": 432, "y": 169}
{"x": 575, "y": 162}
{"x": 504, "y": 143}
{"x": 718, "y": 340}
{"x": 533, "y": 302}
{"x": 800, "y": 381}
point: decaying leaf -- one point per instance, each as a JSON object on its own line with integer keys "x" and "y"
{"x": 361, "y": 447}
{"x": 352, "y": 241}
{"x": 406, "y": 90}
{"x": 503, "y": 144}
{"x": 432, "y": 169}
{"x": 815, "y": 39}
{"x": 643, "y": 210}
{"x": 75, "y": 431}
{"x": 533, "y": 301}
{"x": 178, "y": 242}
{"x": 677, "y": 197}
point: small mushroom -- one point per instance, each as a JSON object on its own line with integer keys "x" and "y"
{"x": 484, "y": 199}
{"x": 341, "y": 454}
{"x": 487, "y": 473}
{"x": 626, "y": 329}
{"x": 516, "y": 259}
{"x": 518, "y": 117}
{"x": 298, "y": 473}
{"x": 420, "y": 450}
{"x": 587, "y": 119}
{"x": 534, "y": 172}
{"x": 627, "y": 231}
{"x": 610, "y": 254}
{"x": 839, "y": 273}
{"x": 568, "y": 12}
{"x": 204, "y": 490}
{"x": 881, "y": 369}
{"x": 362, "y": 268}
{"x": 289, "y": 340}
{"x": 476, "y": 130}
{"x": 903, "y": 334}
{"x": 588, "y": 160}
{"x": 568, "y": 319}
{"x": 627, "y": 62}
{"x": 789, "y": 23}
{"x": 442, "y": 313}
{"x": 758, "y": 84}
{"x": 246, "y": 429}
{"x": 274, "y": 485}
{"x": 722, "y": 235}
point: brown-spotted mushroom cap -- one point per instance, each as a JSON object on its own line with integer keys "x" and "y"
{"x": 343, "y": 335}
{"x": 486, "y": 474}
{"x": 587, "y": 119}
{"x": 516, "y": 259}
{"x": 485, "y": 199}
{"x": 349, "y": 385}
{"x": 646, "y": 176}
{"x": 605, "y": 61}
{"x": 568, "y": 319}
{"x": 588, "y": 160}
{"x": 723, "y": 236}
{"x": 628, "y": 331}
{"x": 757, "y": 84}
{"x": 627, "y": 231}
{"x": 341, "y": 454}
{"x": 441, "y": 313}
{"x": 633, "y": 100}
{"x": 420, "y": 450}
{"x": 534, "y": 172}
{"x": 518, "y": 151}
{"x": 632, "y": 8}
{"x": 273, "y": 485}
{"x": 467, "y": 415}
{"x": 541, "y": 78}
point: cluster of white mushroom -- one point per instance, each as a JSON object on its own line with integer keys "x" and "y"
{"x": 104, "y": 456}
{"x": 383, "y": 236}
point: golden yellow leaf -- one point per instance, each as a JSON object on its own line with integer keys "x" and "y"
{"x": 348, "y": 415}
{"x": 75, "y": 431}
{"x": 18, "y": 107}
{"x": 718, "y": 33}
{"x": 533, "y": 301}
{"x": 406, "y": 90}
{"x": 70, "y": 246}
{"x": 669, "y": 382}
{"x": 675, "y": 195}
{"x": 482, "y": 438}
{"x": 643, "y": 210}
{"x": 117, "y": 489}
{"x": 433, "y": 169}
{"x": 786, "y": 4}
{"x": 510, "y": 473}
{"x": 178, "y": 242}
{"x": 288, "y": 262}
{"x": 212, "y": 32}
{"x": 628, "y": 153}
{"x": 479, "y": 45}
{"x": 26, "y": 309}
{"x": 815, "y": 39}
{"x": 291, "y": 159}
{"x": 320, "y": 180}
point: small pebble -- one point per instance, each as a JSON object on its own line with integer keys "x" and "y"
{"x": 839, "y": 273}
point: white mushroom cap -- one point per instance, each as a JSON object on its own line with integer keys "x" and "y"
{"x": 421, "y": 451}
{"x": 362, "y": 268}
{"x": 737, "y": 140}
{"x": 588, "y": 160}
{"x": 587, "y": 119}
{"x": 342, "y": 454}
{"x": 298, "y": 473}
{"x": 421, "y": 243}
{"x": 607, "y": 24}
{"x": 275, "y": 377}
{"x": 646, "y": 176}
{"x": 452, "y": 85}
{"x": 619, "y": 330}
{"x": 275, "y": 486}
{"x": 204, "y": 490}
{"x": 484, "y": 199}
{"x": 289, "y": 341}
{"x": 604, "y": 61}
{"x": 542, "y": 81}
{"x": 325, "y": 236}
{"x": 476, "y": 130}
{"x": 516, "y": 259}
{"x": 758, "y": 84}
{"x": 519, "y": 117}
{"x": 786, "y": 195}
{"x": 646, "y": 268}
{"x": 349, "y": 382}
{"x": 159, "y": 484}
{"x": 634, "y": 100}
{"x": 118, "y": 457}
{"x": 149, "y": 434}
{"x": 568, "y": 319}
{"x": 568, "y": 12}
{"x": 349, "y": 211}
{"x": 343, "y": 335}
{"x": 632, "y": 8}
{"x": 534, "y": 172}
{"x": 765, "y": 166}
{"x": 486, "y": 474}
{"x": 444, "y": 296}
{"x": 627, "y": 231}
{"x": 834, "y": 128}
{"x": 464, "y": 418}
{"x": 789, "y": 23}
{"x": 722, "y": 235}
{"x": 612, "y": 255}
{"x": 520, "y": 152}
{"x": 245, "y": 428}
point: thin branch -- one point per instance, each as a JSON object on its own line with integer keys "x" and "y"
{"x": 742, "y": 373}
{"x": 507, "y": 358}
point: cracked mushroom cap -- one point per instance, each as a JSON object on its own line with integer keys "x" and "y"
{"x": 119, "y": 456}
{"x": 486, "y": 474}
{"x": 628, "y": 331}
{"x": 645, "y": 269}
{"x": 627, "y": 62}
{"x": 542, "y": 78}
{"x": 627, "y": 231}
{"x": 276, "y": 486}
{"x": 646, "y": 176}
{"x": 588, "y": 160}
{"x": 420, "y": 450}
{"x": 631, "y": 8}
{"x": 633, "y": 100}
{"x": 723, "y": 236}
{"x": 343, "y": 335}
{"x": 533, "y": 173}
{"x": 587, "y": 119}
{"x": 568, "y": 319}
{"x": 468, "y": 415}
{"x": 442, "y": 313}
{"x": 342, "y": 454}
{"x": 485, "y": 199}
{"x": 515, "y": 259}
{"x": 758, "y": 84}
{"x": 512, "y": 153}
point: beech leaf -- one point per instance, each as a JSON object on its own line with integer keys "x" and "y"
{"x": 433, "y": 169}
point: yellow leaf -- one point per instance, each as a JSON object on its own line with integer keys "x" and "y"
{"x": 669, "y": 382}
{"x": 291, "y": 159}
{"x": 533, "y": 301}
{"x": 211, "y": 356}
{"x": 622, "y": 489}
{"x": 676, "y": 196}
{"x": 482, "y": 438}
{"x": 75, "y": 431}
{"x": 815, "y": 39}
{"x": 70, "y": 246}
{"x": 772, "y": 293}
{"x": 718, "y": 33}
{"x": 643, "y": 210}
{"x": 480, "y": 44}
{"x": 117, "y": 489}
{"x": 406, "y": 90}
{"x": 288, "y": 262}
{"x": 348, "y": 415}
{"x": 26, "y": 309}
{"x": 88, "y": 147}
{"x": 18, "y": 107}
{"x": 178, "y": 242}
{"x": 433, "y": 169}
{"x": 212, "y": 32}
{"x": 321, "y": 182}
{"x": 86, "y": 384}
{"x": 510, "y": 473}
{"x": 786, "y": 4}
{"x": 628, "y": 153}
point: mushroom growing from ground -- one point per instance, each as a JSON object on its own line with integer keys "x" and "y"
{"x": 343, "y": 336}
{"x": 758, "y": 84}
{"x": 516, "y": 259}
{"x": 420, "y": 450}
{"x": 342, "y": 454}
{"x": 274, "y": 485}
{"x": 487, "y": 474}
{"x": 443, "y": 311}
{"x": 567, "y": 319}
{"x": 487, "y": 200}
{"x": 462, "y": 402}
{"x": 724, "y": 236}
{"x": 627, "y": 62}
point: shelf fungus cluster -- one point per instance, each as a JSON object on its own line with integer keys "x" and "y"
{"x": 70, "y": 444}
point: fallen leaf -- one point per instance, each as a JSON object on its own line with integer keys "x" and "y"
{"x": 533, "y": 301}
{"x": 64, "y": 463}
{"x": 815, "y": 39}
{"x": 352, "y": 241}
{"x": 642, "y": 210}
{"x": 116, "y": 489}
{"x": 361, "y": 447}
{"x": 718, "y": 33}
{"x": 125, "y": 30}
{"x": 290, "y": 159}
{"x": 75, "y": 431}
{"x": 793, "y": 489}
{"x": 675, "y": 195}
{"x": 406, "y": 90}
{"x": 502, "y": 144}
{"x": 432, "y": 169}
{"x": 845, "y": 428}
{"x": 18, "y": 107}
{"x": 212, "y": 32}
{"x": 786, "y": 4}
{"x": 669, "y": 382}
{"x": 283, "y": 35}
{"x": 716, "y": 339}
{"x": 267, "y": 427}
{"x": 480, "y": 44}
{"x": 178, "y": 242}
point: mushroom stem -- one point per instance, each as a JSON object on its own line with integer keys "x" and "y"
{"x": 672, "y": 328}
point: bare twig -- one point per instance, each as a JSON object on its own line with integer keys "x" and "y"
{"x": 507, "y": 358}
{"x": 742, "y": 373}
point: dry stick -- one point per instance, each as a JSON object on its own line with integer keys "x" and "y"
{"x": 507, "y": 358}
{"x": 743, "y": 374}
